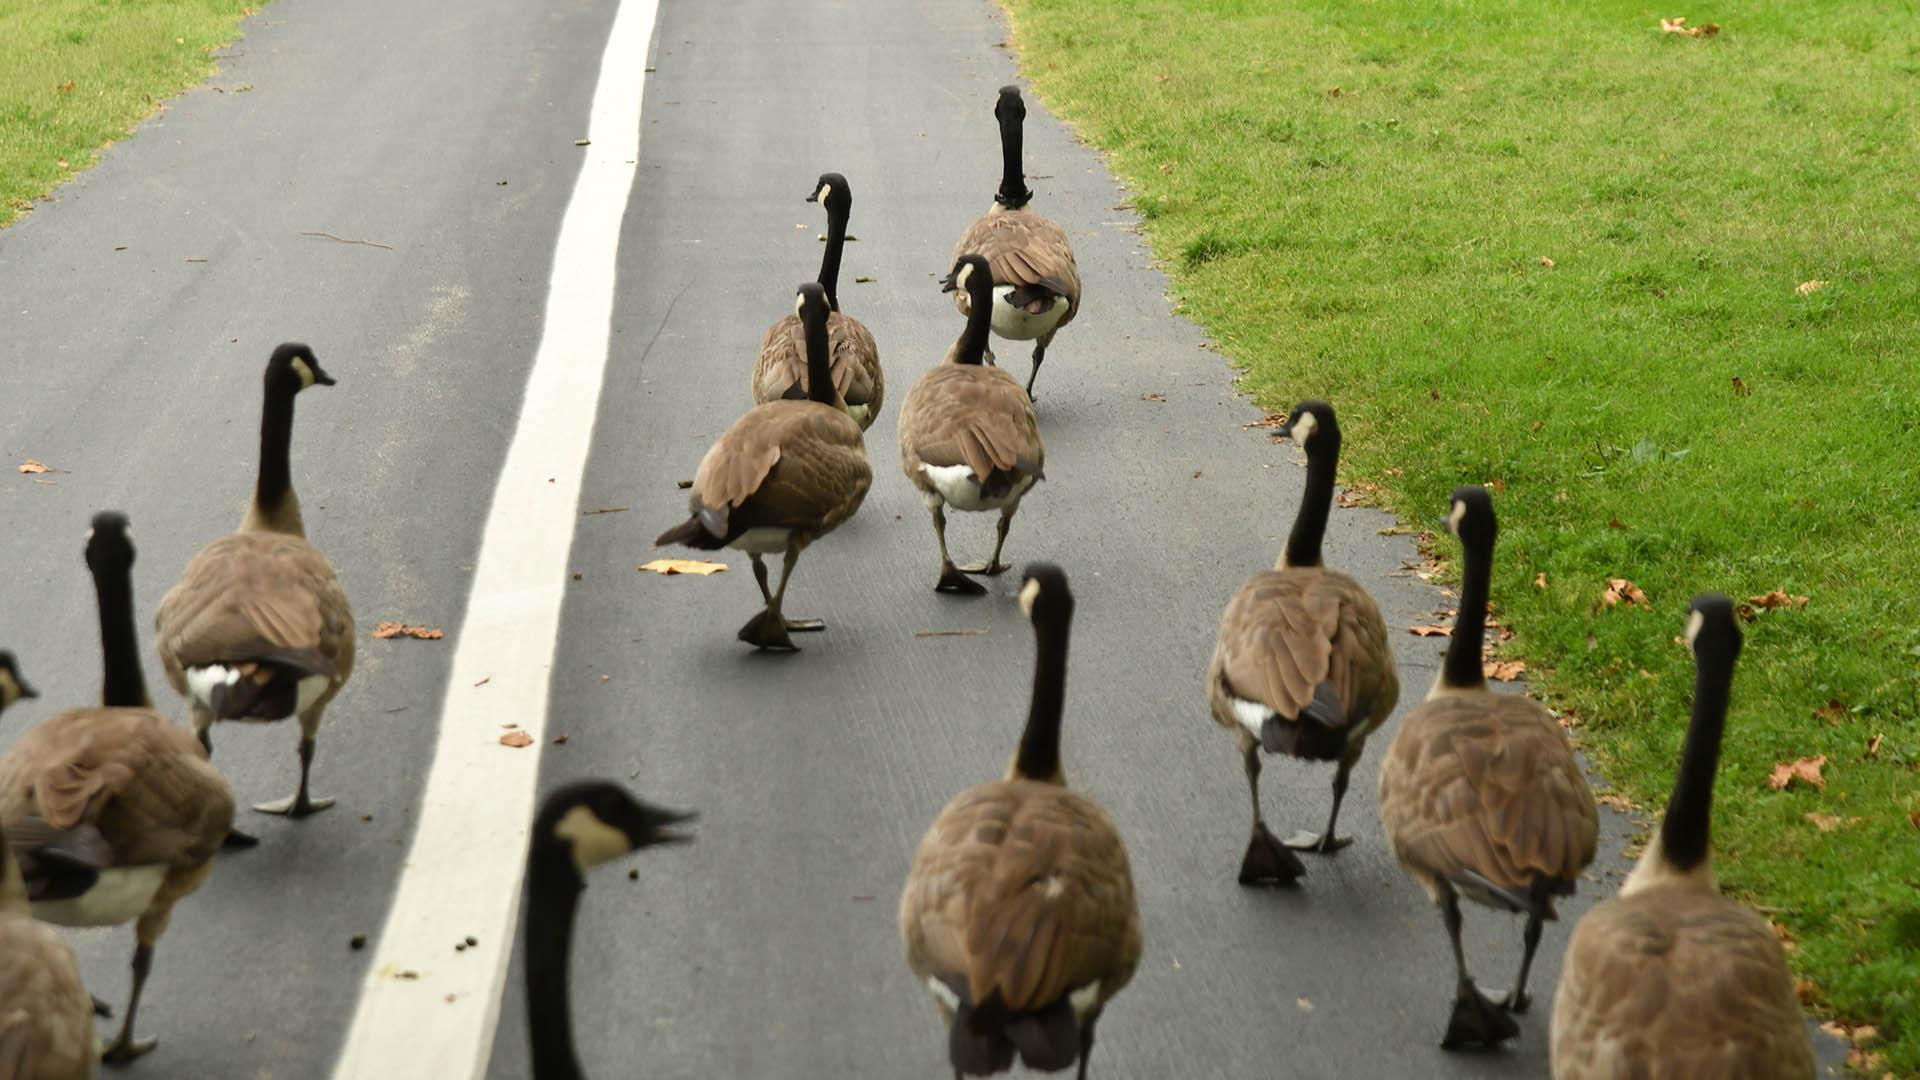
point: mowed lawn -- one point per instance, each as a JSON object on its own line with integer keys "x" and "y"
{"x": 1662, "y": 293}
{"x": 76, "y": 75}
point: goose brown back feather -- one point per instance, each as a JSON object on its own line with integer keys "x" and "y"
{"x": 972, "y": 415}
{"x": 1288, "y": 631}
{"x": 793, "y": 464}
{"x": 780, "y": 371}
{"x": 1024, "y": 250}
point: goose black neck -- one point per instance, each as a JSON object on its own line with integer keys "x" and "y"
{"x": 1310, "y": 524}
{"x": 1685, "y": 834}
{"x": 830, "y": 261}
{"x": 819, "y": 363}
{"x": 123, "y": 685}
{"x": 276, "y": 440}
{"x": 1013, "y": 193}
{"x": 973, "y": 339}
{"x": 1039, "y": 757}
{"x": 1463, "y": 667}
{"x": 553, "y": 896}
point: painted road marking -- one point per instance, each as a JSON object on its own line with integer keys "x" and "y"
{"x": 426, "y": 1010}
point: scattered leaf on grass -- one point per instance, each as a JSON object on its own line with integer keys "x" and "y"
{"x": 516, "y": 739}
{"x": 388, "y": 629}
{"x": 1778, "y": 598}
{"x": 1620, "y": 589}
{"x": 1546, "y": 262}
{"x": 1740, "y": 388}
{"x": 1833, "y": 712}
{"x": 1913, "y": 818}
{"x": 1824, "y": 822}
{"x": 1505, "y": 670}
{"x": 1614, "y": 800}
{"x": 1805, "y": 770}
{"x": 1359, "y": 493}
{"x": 1678, "y": 26}
{"x": 682, "y": 566}
{"x": 1269, "y": 420}
{"x": 1873, "y": 745}
{"x": 1808, "y": 992}
{"x": 1430, "y": 631}
{"x": 1616, "y": 523}
{"x": 32, "y": 466}
{"x": 1813, "y": 286}
{"x": 1540, "y": 580}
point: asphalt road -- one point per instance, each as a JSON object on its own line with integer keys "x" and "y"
{"x": 140, "y": 305}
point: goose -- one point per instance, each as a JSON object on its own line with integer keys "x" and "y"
{"x": 781, "y": 371}
{"x": 1671, "y": 979}
{"x": 784, "y": 475}
{"x": 967, "y": 433}
{"x": 114, "y": 811}
{"x": 1018, "y": 915}
{"x": 1037, "y": 288}
{"x": 258, "y": 627}
{"x": 1302, "y": 665}
{"x": 579, "y": 827}
{"x": 46, "y": 1014}
{"x": 14, "y": 687}
{"x": 1481, "y": 796}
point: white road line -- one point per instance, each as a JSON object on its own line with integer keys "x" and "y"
{"x": 426, "y": 1010}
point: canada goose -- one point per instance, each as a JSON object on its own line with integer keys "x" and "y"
{"x": 1037, "y": 288}
{"x": 781, "y": 371}
{"x": 784, "y": 475}
{"x": 1302, "y": 665}
{"x": 46, "y": 1015}
{"x": 579, "y": 827}
{"x": 258, "y": 628}
{"x": 1671, "y": 979}
{"x": 113, "y": 812}
{"x": 1480, "y": 793}
{"x": 13, "y": 687}
{"x": 1018, "y": 915}
{"x": 968, "y": 436}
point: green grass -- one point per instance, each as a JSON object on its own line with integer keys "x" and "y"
{"x": 1383, "y": 247}
{"x": 76, "y": 75}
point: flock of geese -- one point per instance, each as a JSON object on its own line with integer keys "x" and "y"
{"x": 1018, "y": 916}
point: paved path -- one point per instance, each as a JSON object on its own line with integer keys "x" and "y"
{"x": 141, "y": 304}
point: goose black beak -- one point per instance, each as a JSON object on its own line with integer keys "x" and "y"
{"x": 813, "y": 196}
{"x": 26, "y": 691}
{"x": 665, "y": 833}
{"x": 946, "y": 284}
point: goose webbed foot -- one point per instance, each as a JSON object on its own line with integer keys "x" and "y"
{"x": 805, "y": 626}
{"x": 1268, "y": 861}
{"x": 1477, "y": 1020}
{"x": 100, "y": 1008}
{"x": 239, "y": 841}
{"x": 955, "y": 580}
{"x": 1318, "y": 843}
{"x": 293, "y": 806}
{"x": 985, "y": 569}
{"x": 767, "y": 630}
{"x": 127, "y": 1050}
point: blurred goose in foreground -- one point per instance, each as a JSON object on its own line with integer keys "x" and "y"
{"x": 1302, "y": 666}
{"x": 1481, "y": 796}
{"x": 1671, "y": 979}
{"x": 46, "y": 1015}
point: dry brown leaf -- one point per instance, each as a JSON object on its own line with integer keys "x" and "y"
{"x": 559, "y": 740}
{"x": 1824, "y": 822}
{"x": 1505, "y": 670}
{"x": 1787, "y": 941}
{"x": 1153, "y": 396}
{"x": 1616, "y": 523}
{"x": 1864, "y": 1035}
{"x": 1303, "y": 1004}
{"x": 1546, "y": 262}
{"x": 1359, "y": 493}
{"x": 1614, "y": 800}
{"x": 1873, "y": 745}
{"x": 1430, "y": 631}
{"x": 1806, "y": 770}
{"x": 1813, "y": 286}
{"x": 1740, "y": 388}
{"x": 1913, "y": 818}
{"x": 516, "y": 739}
{"x": 1620, "y": 589}
{"x": 1540, "y": 580}
{"x": 1269, "y": 420}
{"x": 32, "y": 466}
{"x": 682, "y": 566}
{"x": 1678, "y": 26}
{"x": 389, "y": 629}
{"x": 1778, "y": 598}
{"x": 1808, "y": 992}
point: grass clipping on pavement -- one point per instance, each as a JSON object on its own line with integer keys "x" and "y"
{"x": 76, "y": 75}
{"x": 1659, "y": 292}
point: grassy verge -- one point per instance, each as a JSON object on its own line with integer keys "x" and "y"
{"x": 1660, "y": 292}
{"x": 76, "y": 75}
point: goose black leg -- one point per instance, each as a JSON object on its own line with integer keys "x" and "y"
{"x": 951, "y": 579}
{"x": 1475, "y": 1019}
{"x": 301, "y": 804}
{"x": 1266, "y": 858}
{"x": 100, "y": 1008}
{"x": 993, "y": 565}
{"x": 768, "y": 630}
{"x": 235, "y": 839}
{"x": 125, "y": 1047}
{"x": 1039, "y": 354}
{"x": 1326, "y": 843}
{"x": 1518, "y": 1000}
{"x": 1086, "y": 1049}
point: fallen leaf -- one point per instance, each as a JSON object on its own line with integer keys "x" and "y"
{"x": 864, "y": 279}
{"x": 1678, "y": 26}
{"x": 1505, "y": 670}
{"x": 1269, "y": 420}
{"x": 1833, "y": 712}
{"x": 65, "y": 87}
{"x": 1873, "y": 745}
{"x": 1196, "y": 474}
{"x": 1805, "y": 770}
{"x": 682, "y": 566}
{"x": 1616, "y": 523}
{"x": 484, "y": 680}
{"x": 605, "y": 510}
{"x": 1813, "y": 286}
{"x": 1778, "y": 598}
{"x": 1864, "y": 1035}
{"x": 1833, "y": 1029}
{"x": 1536, "y": 425}
{"x": 1153, "y": 396}
{"x": 32, "y": 466}
{"x": 1614, "y": 800}
{"x": 1546, "y": 262}
{"x": 1807, "y": 991}
{"x": 1303, "y": 1004}
{"x": 1430, "y": 631}
{"x": 1740, "y": 388}
{"x": 948, "y": 633}
{"x": 1359, "y": 493}
{"x": 1913, "y": 818}
{"x": 1540, "y": 580}
{"x": 683, "y": 484}
{"x": 516, "y": 739}
{"x": 387, "y": 629}
{"x": 583, "y": 142}
{"x": 1166, "y": 166}
{"x": 559, "y": 740}
{"x": 1824, "y": 822}
{"x": 62, "y": 163}
{"x": 1620, "y": 589}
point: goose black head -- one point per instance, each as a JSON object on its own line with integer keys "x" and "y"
{"x": 810, "y": 302}
{"x": 1044, "y": 595}
{"x": 1713, "y": 628}
{"x": 12, "y": 686}
{"x": 110, "y": 542}
{"x": 1471, "y": 517}
{"x": 293, "y": 368}
{"x": 1010, "y": 106}
{"x": 832, "y": 192}
{"x": 1311, "y": 420}
{"x": 595, "y": 821}
{"x": 971, "y": 275}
